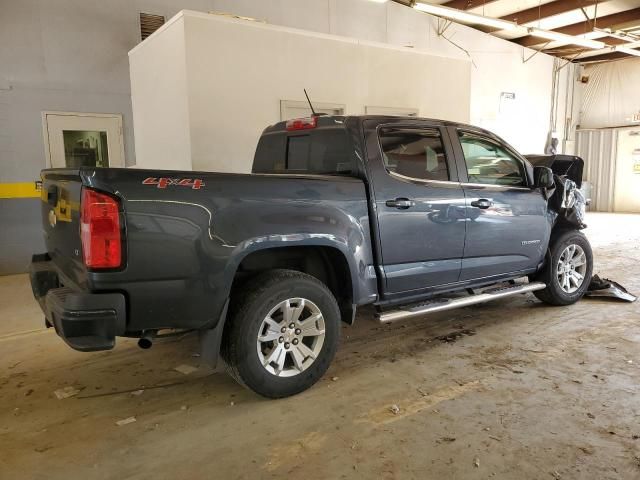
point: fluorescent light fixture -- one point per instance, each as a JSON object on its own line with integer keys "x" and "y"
{"x": 466, "y": 17}
{"x": 378, "y": 1}
{"x": 627, "y": 50}
{"x": 570, "y": 39}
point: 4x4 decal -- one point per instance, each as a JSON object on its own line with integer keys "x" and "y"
{"x": 163, "y": 182}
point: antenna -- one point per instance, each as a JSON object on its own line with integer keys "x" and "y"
{"x": 314, "y": 114}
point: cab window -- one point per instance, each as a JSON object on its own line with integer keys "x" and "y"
{"x": 489, "y": 163}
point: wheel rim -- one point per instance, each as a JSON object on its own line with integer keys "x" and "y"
{"x": 290, "y": 337}
{"x": 571, "y": 269}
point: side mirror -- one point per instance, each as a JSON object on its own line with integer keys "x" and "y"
{"x": 542, "y": 177}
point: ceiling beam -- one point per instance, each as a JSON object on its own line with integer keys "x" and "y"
{"x": 607, "y": 21}
{"x": 467, "y": 4}
{"x": 547, "y": 10}
{"x": 603, "y": 57}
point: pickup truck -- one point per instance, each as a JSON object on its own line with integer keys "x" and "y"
{"x": 410, "y": 215}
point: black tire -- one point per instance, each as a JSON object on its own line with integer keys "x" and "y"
{"x": 248, "y": 310}
{"x": 554, "y": 294}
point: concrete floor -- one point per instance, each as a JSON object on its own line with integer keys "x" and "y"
{"x": 530, "y": 392}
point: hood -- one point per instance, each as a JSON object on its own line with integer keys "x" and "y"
{"x": 562, "y": 165}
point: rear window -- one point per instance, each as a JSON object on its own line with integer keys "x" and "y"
{"x": 321, "y": 151}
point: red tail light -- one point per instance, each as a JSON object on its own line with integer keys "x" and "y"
{"x": 100, "y": 230}
{"x": 302, "y": 123}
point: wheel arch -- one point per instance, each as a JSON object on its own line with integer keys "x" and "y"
{"x": 327, "y": 263}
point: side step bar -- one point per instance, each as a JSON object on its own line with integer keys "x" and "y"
{"x": 440, "y": 304}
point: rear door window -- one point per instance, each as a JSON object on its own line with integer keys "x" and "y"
{"x": 414, "y": 152}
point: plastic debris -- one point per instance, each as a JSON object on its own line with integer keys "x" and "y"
{"x": 334, "y": 379}
{"x": 476, "y": 462}
{"x": 185, "y": 369}
{"x": 125, "y": 421}
{"x": 137, "y": 393}
{"x": 395, "y": 409}
{"x": 603, "y": 287}
{"x": 66, "y": 392}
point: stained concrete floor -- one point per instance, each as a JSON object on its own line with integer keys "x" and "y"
{"x": 530, "y": 391}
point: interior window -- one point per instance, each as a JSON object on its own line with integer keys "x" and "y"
{"x": 488, "y": 162}
{"x": 415, "y": 153}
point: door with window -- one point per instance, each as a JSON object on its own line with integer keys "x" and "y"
{"x": 508, "y": 224}
{"x": 419, "y": 204}
{"x": 83, "y": 140}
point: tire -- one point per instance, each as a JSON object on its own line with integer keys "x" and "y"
{"x": 557, "y": 292}
{"x": 259, "y": 313}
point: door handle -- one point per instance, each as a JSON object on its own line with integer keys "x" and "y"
{"x": 482, "y": 203}
{"x": 400, "y": 203}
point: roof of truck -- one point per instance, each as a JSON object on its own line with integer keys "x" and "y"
{"x": 338, "y": 120}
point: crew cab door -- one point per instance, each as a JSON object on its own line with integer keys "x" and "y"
{"x": 508, "y": 225}
{"x": 419, "y": 204}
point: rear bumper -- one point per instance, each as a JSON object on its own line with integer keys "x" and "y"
{"x": 86, "y": 321}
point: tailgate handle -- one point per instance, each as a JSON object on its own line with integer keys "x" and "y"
{"x": 52, "y": 195}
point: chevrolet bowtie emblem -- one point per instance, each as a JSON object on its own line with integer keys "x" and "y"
{"x": 52, "y": 218}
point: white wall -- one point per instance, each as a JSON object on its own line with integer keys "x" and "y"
{"x": 497, "y": 64}
{"x": 159, "y": 99}
{"x": 612, "y": 95}
{"x": 238, "y": 71}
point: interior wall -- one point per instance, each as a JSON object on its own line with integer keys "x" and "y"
{"x": 498, "y": 65}
{"x": 627, "y": 192}
{"x": 612, "y": 95}
{"x": 234, "y": 88}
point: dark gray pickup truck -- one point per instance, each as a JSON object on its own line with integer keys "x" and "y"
{"x": 410, "y": 215}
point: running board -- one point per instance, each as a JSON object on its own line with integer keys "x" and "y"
{"x": 440, "y": 304}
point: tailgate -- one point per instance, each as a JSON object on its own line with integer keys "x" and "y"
{"x": 61, "y": 191}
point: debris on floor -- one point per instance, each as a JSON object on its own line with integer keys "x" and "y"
{"x": 603, "y": 287}
{"x": 185, "y": 369}
{"x": 395, "y": 409}
{"x": 476, "y": 462}
{"x": 125, "y": 421}
{"x": 137, "y": 393}
{"x": 66, "y": 392}
{"x": 454, "y": 336}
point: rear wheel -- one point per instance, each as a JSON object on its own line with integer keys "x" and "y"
{"x": 283, "y": 333}
{"x": 568, "y": 269}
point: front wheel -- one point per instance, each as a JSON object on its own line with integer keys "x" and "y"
{"x": 568, "y": 269}
{"x": 283, "y": 333}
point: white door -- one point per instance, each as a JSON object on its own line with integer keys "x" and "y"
{"x": 83, "y": 139}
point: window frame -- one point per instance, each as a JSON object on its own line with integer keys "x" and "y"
{"x": 449, "y": 154}
{"x": 456, "y": 132}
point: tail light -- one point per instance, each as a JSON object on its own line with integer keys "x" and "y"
{"x": 100, "y": 230}
{"x": 302, "y": 123}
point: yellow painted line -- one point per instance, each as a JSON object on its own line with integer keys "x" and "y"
{"x": 19, "y": 190}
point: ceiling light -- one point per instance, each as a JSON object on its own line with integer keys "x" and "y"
{"x": 561, "y": 37}
{"x": 628, "y": 51}
{"x": 467, "y": 17}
